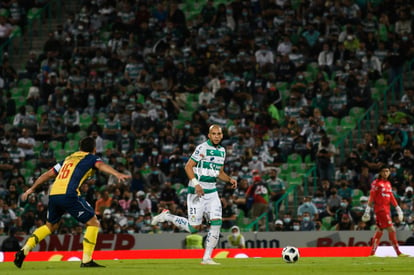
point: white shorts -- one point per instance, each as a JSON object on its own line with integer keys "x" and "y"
{"x": 208, "y": 206}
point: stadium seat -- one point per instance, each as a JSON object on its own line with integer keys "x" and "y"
{"x": 26, "y": 173}
{"x": 327, "y": 222}
{"x": 331, "y": 122}
{"x": 285, "y": 169}
{"x": 24, "y": 83}
{"x": 85, "y": 120}
{"x": 357, "y": 112}
{"x": 177, "y": 124}
{"x": 101, "y": 118}
{"x": 79, "y": 135}
{"x": 376, "y": 94}
{"x": 71, "y": 146}
{"x": 30, "y": 164}
{"x": 55, "y": 145}
{"x": 38, "y": 146}
{"x": 109, "y": 144}
{"x": 60, "y": 154}
{"x": 184, "y": 115}
{"x": 17, "y": 92}
{"x": 347, "y": 123}
{"x": 356, "y": 195}
{"x": 308, "y": 159}
{"x": 294, "y": 178}
{"x": 294, "y": 160}
{"x": 33, "y": 13}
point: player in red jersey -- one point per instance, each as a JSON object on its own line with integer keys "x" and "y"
{"x": 381, "y": 198}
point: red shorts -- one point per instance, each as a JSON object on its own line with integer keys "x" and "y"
{"x": 383, "y": 219}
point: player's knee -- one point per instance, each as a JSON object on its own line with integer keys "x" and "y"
{"x": 198, "y": 227}
{"x": 93, "y": 222}
{"x": 216, "y": 222}
{"x": 52, "y": 226}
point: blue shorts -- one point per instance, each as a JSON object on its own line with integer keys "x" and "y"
{"x": 77, "y": 207}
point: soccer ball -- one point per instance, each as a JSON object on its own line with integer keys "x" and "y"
{"x": 290, "y": 254}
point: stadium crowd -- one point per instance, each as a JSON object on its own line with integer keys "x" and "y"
{"x": 146, "y": 78}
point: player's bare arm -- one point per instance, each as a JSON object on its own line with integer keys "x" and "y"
{"x": 191, "y": 176}
{"x": 224, "y": 177}
{"x": 46, "y": 176}
{"x": 103, "y": 167}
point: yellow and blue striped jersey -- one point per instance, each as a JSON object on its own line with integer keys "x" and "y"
{"x": 72, "y": 172}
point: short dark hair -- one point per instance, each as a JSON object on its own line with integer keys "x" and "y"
{"x": 87, "y": 144}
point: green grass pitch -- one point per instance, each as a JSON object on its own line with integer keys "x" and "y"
{"x": 307, "y": 265}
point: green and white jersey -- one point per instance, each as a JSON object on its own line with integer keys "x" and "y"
{"x": 209, "y": 159}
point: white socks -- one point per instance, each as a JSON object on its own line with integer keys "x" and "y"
{"x": 211, "y": 241}
{"x": 180, "y": 222}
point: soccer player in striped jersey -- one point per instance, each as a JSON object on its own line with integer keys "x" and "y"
{"x": 64, "y": 197}
{"x": 205, "y": 165}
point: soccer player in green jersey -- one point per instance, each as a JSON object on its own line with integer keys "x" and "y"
{"x": 205, "y": 165}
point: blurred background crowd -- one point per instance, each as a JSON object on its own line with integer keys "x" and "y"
{"x": 146, "y": 79}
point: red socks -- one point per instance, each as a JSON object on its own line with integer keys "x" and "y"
{"x": 393, "y": 239}
{"x": 375, "y": 241}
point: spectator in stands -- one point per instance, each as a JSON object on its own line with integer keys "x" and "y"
{"x": 11, "y": 243}
{"x": 309, "y": 207}
{"x": 16, "y": 153}
{"x": 325, "y": 158}
{"x": 103, "y": 202}
{"x": 168, "y": 197}
{"x": 320, "y": 202}
{"x": 144, "y": 203}
{"x": 5, "y": 30}
{"x": 9, "y": 217}
{"x": 112, "y": 127}
{"x": 344, "y": 189}
{"x": 307, "y": 223}
{"x": 239, "y": 196}
{"x": 44, "y": 128}
{"x": 229, "y": 213}
{"x": 334, "y": 202}
{"x": 345, "y": 223}
{"x": 46, "y": 156}
{"x": 260, "y": 193}
{"x": 71, "y": 120}
{"x": 326, "y": 59}
{"x": 338, "y": 103}
{"x": 276, "y": 185}
{"x": 344, "y": 208}
{"x": 27, "y": 143}
{"x": 108, "y": 222}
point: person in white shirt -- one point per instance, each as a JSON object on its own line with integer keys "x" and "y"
{"x": 325, "y": 58}
{"x": 26, "y": 143}
{"x": 205, "y": 96}
{"x": 264, "y": 56}
{"x": 144, "y": 203}
{"x": 372, "y": 65}
{"x": 284, "y": 47}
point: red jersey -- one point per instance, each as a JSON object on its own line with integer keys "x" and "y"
{"x": 382, "y": 196}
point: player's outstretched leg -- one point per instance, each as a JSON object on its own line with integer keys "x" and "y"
{"x": 19, "y": 258}
{"x": 180, "y": 222}
{"x": 38, "y": 235}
